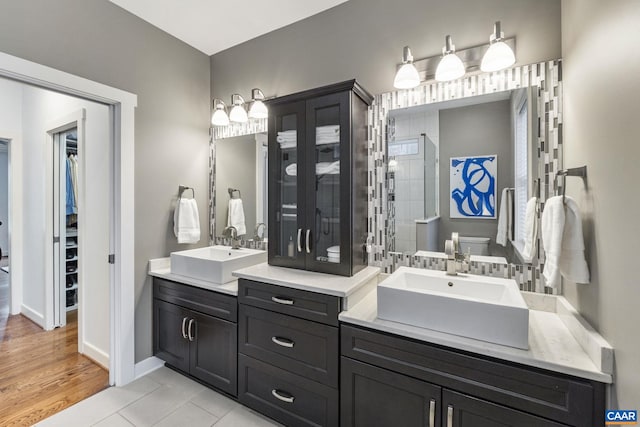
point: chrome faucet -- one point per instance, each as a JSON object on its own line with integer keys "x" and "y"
{"x": 232, "y": 233}
{"x": 257, "y": 237}
{"x": 454, "y": 257}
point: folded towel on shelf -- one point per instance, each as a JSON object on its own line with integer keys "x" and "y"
{"x": 327, "y": 140}
{"x": 282, "y": 139}
{"x": 292, "y": 169}
{"x": 328, "y": 130}
{"x": 289, "y": 206}
{"x": 236, "y": 216}
{"x": 504, "y": 217}
{"x": 530, "y": 230}
{"x": 328, "y": 168}
{"x": 562, "y": 239}
{"x": 284, "y": 145}
{"x": 186, "y": 222}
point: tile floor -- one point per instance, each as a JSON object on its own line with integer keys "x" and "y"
{"x": 162, "y": 398}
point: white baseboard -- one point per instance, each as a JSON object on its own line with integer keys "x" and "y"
{"x": 31, "y": 314}
{"x": 97, "y": 355}
{"x": 147, "y": 365}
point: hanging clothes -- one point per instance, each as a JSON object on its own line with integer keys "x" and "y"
{"x": 74, "y": 180}
{"x": 71, "y": 207}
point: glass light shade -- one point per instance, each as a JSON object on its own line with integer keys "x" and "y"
{"x": 219, "y": 118}
{"x": 258, "y": 110}
{"x": 450, "y": 67}
{"x": 498, "y": 57}
{"x": 407, "y": 77}
{"x": 238, "y": 114}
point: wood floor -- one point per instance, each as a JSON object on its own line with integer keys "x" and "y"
{"x": 41, "y": 373}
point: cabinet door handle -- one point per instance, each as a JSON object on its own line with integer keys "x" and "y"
{"x": 280, "y": 396}
{"x": 449, "y": 415}
{"x": 184, "y": 332}
{"x": 283, "y": 342}
{"x": 280, "y": 300}
{"x": 191, "y": 322}
{"x": 432, "y": 413}
{"x": 299, "y": 239}
{"x": 308, "y": 241}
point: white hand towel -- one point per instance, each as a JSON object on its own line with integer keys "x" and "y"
{"x": 563, "y": 242}
{"x": 552, "y": 227}
{"x": 236, "y": 216}
{"x": 530, "y": 230}
{"x": 186, "y": 222}
{"x": 328, "y": 168}
{"x": 503, "y": 218}
{"x": 572, "y": 262}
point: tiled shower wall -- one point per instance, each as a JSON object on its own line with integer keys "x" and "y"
{"x": 546, "y": 80}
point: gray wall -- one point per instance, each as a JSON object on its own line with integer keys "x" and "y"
{"x": 236, "y": 168}
{"x": 472, "y": 131}
{"x": 364, "y": 39}
{"x": 97, "y": 40}
{"x": 601, "y": 90}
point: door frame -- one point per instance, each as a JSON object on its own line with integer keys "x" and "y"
{"x": 74, "y": 120}
{"x": 122, "y": 106}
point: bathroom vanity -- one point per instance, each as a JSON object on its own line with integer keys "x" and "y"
{"x": 310, "y": 350}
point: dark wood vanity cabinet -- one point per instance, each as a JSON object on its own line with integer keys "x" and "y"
{"x": 388, "y": 380}
{"x": 195, "y": 331}
{"x": 288, "y": 362}
{"x": 318, "y": 179}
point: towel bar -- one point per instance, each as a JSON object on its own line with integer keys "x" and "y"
{"x": 564, "y": 173}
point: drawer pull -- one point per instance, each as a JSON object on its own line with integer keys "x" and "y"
{"x": 432, "y": 413}
{"x": 184, "y": 333}
{"x": 280, "y": 396}
{"x": 283, "y": 342}
{"x": 281, "y": 300}
{"x": 308, "y": 241}
{"x": 449, "y": 416}
{"x": 300, "y": 240}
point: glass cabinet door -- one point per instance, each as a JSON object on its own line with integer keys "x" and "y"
{"x": 328, "y": 157}
{"x": 286, "y": 228}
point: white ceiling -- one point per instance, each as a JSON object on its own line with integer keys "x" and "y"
{"x": 215, "y": 25}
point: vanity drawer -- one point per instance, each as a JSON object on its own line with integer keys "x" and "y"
{"x": 294, "y": 302}
{"x": 288, "y": 398}
{"x": 306, "y": 348}
{"x": 202, "y": 300}
{"x": 558, "y": 397}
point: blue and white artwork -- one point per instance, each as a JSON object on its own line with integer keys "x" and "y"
{"x": 473, "y": 186}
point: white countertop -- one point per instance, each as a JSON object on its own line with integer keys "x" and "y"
{"x": 161, "y": 268}
{"x": 558, "y": 340}
{"x": 476, "y": 258}
{"x": 327, "y": 284}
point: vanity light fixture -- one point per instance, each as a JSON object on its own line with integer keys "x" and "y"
{"x": 238, "y": 114}
{"x": 407, "y": 76}
{"x": 499, "y": 56}
{"x": 450, "y": 66}
{"x": 219, "y": 116}
{"x": 257, "y": 110}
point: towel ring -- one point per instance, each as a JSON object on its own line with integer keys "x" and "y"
{"x": 579, "y": 172}
{"x": 232, "y": 191}
{"x": 182, "y": 189}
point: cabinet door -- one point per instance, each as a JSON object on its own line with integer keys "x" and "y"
{"x": 286, "y": 184}
{"x": 374, "y": 397}
{"x": 327, "y": 237}
{"x": 213, "y": 351}
{"x": 460, "y": 410}
{"x": 169, "y": 324}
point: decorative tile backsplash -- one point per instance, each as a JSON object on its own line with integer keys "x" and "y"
{"x": 545, "y": 77}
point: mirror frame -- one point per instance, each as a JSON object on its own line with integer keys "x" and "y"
{"x": 217, "y": 133}
{"x": 546, "y": 78}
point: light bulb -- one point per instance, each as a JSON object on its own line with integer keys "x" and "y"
{"x": 219, "y": 118}
{"x": 258, "y": 110}
{"x": 407, "y": 76}
{"x": 450, "y": 66}
{"x": 498, "y": 57}
{"x": 238, "y": 114}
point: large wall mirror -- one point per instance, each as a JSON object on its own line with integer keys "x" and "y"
{"x": 238, "y": 170}
{"x": 486, "y": 133}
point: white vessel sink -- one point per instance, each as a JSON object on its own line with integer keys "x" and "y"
{"x": 484, "y": 308}
{"x": 214, "y": 263}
